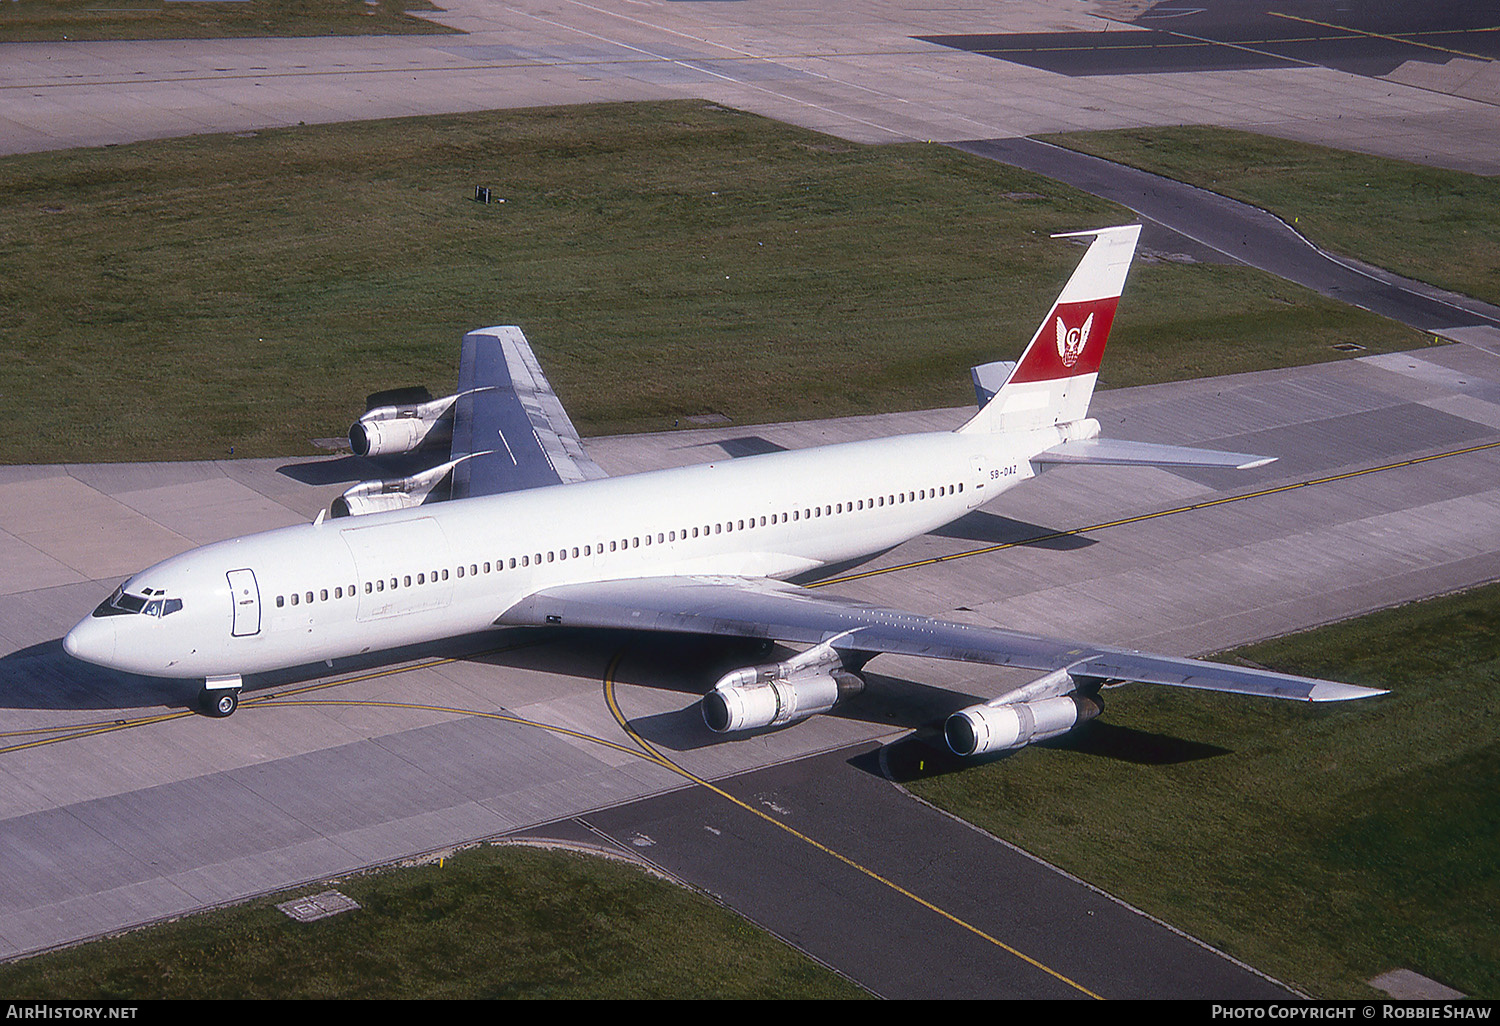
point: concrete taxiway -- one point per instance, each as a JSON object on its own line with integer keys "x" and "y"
{"x": 118, "y": 806}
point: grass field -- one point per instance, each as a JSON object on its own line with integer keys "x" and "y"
{"x": 42, "y": 20}
{"x": 175, "y": 299}
{"x": 490, "y": 922}
{"x": 1434, "y": 225}
{"x": 1324, "y": 845}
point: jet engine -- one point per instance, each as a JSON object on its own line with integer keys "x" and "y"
{"x": 392, "y": 430}
{"x": 394, "y": 493}
{"x": 997, "y": 726}
{"x": 776, "y": 694}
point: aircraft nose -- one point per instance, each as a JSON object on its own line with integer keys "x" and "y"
{"x": 92, "y": 640}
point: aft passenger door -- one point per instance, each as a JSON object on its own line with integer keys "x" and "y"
{"x": 246, "y": 595}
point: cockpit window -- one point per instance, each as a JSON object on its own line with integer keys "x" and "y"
{"x": 123, "y": 604}
{"x": 120, "y": 604}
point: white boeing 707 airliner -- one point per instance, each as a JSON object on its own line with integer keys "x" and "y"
{"x": 533, "y": 533}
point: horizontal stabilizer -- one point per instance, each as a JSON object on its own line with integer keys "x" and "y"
{"x": 1112, "y": 452}
{"x": 989, "y": 378}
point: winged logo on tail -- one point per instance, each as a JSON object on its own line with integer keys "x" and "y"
{"x": 1072, "y": 341}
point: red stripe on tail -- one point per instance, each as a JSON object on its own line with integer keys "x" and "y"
{"x": 1069, "y": 343}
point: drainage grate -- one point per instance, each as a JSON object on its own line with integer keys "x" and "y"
{"x": 318, "y": 906}
{"x": 1349, "y": 347}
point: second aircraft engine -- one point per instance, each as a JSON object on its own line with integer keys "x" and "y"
{"x": 393, "y": 493}
{"x": 776, "y": 694}
{"x": 393, "y": 430}
{"x": 995, "y": 727}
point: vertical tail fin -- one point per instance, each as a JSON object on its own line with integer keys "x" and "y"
{"x": 1054, "y": 379}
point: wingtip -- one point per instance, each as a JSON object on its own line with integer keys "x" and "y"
{"x": 1332, "y": 691}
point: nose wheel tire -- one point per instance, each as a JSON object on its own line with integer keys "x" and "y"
{"x": 219, "y": 702}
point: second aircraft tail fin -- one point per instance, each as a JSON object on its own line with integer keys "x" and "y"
{"x": 1054, "y": 379}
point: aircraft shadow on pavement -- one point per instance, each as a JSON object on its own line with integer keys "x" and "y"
{"x": 737, "y": 448}
{"x": 43, "y": 676}
{"x": 350, "y": 469}
{"x": 980, "y": 526}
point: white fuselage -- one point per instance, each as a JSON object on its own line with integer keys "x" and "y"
{"x": 348, "y": 586}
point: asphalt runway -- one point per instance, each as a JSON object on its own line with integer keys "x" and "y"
{"x": 119, "y": 806}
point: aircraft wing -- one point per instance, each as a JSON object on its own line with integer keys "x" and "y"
{"x": 764, "y": 608}
{"x": 509, "y": 428}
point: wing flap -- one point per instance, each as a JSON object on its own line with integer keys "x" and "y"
{"x": 762, "y": 608}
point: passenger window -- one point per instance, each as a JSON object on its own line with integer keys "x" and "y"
{"x": 460, "y": 571}
{"x": 294, "y": 598}
{"x": 406, "y": 580}
{"x": 323, "y": 595}
{"x": 473, "y": 569}
{"x": 280, "y": 601}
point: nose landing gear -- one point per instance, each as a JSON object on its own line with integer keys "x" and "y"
{"x": 220, "y": 696}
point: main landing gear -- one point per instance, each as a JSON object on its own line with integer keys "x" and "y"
{"x": 220, "y": 696}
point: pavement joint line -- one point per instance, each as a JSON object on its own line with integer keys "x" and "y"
{"x": 1380, "y": 35}
{"x": 1054, "y": 535}
{"x": 614, "y": 708}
